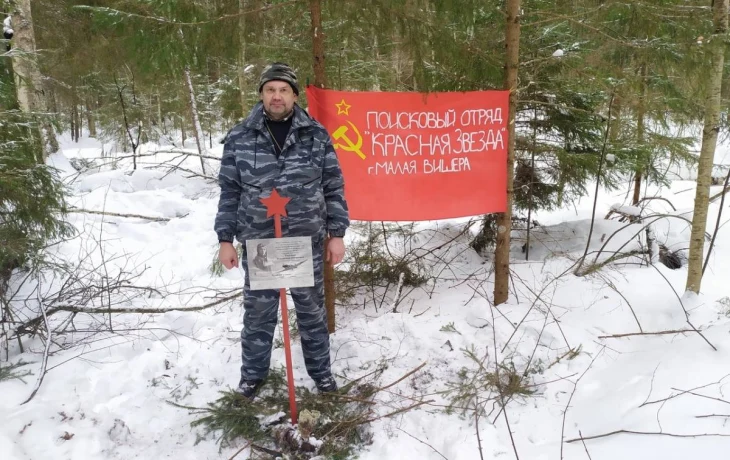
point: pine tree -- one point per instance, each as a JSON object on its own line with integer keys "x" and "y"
{"x": 31, "y": 195}
{"x": 648, "y": 51}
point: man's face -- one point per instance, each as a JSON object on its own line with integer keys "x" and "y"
{"x": 278, "y": 98}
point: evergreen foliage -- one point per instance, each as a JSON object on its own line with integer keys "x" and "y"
{"x": 12, "y": 371}
{"x": 575, "y": 58}
{"x": 31, "y": 195}
{"x": 340, "y": 422}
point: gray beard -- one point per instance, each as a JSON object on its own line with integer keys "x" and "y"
{"x": 282, "y": 118}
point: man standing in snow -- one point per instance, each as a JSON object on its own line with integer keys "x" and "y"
{"x": 280, "y": 146}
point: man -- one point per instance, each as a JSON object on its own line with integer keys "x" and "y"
{"x": 280, "y": 146}
{"x": 261, "y": 261}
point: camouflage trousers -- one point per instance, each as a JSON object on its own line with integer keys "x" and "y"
{"x": 261, "y": 315}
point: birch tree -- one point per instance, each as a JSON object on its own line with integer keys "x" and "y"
{"x": 28, "y": 81}
{"x": 197, "y": 129}
{"x": 716, "y": 56}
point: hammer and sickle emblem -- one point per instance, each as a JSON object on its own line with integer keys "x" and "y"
{"x": 348, "y": 145}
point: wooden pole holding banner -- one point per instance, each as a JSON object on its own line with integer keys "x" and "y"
{"x": 320, "y": 81}
{"x": 276, "y": 207}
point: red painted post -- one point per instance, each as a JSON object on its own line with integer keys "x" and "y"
{"x": 276, "y": 207}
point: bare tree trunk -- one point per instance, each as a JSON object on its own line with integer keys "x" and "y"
{"x": 376, "y": 50}
{"x": 638, "y": 177}
{"x": 709, "y": 142}
{"x": 320, "y": 81}
{"x": 90, "y": 121}
{"x": 76, "y": 133}
{"x": 197, "y": 130}
{"x": 532, "y": 182}
{"x": 640, "y": 135}
{"x": 160, "y": 118}
{"x": 77, "y": 116}
{"x": 315, "y": 9}
{"x": 504, "y": 220}
{"x": 28, "y": 82}
{"x": 182, "y": 131}
{"x": 72, "y": 121}
{"x": 242, "y": 5}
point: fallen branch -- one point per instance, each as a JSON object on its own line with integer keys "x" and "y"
{"x": 157, "y": 152}
{"x": 401, "y": 379}
{"x": 703, "y": 396}
{"x": 539, "y": 297}
{"x": 567, "y": 406}
{"x": 424, "y": 443}
{"x": 240, "y": 450}
{"x": 532, "y": 385}
{"x": 657, "y": 217}
{"x": 584, "y": 445}
{"x": 632, "y": 218}
{"x": 116, "y": 214}
{"x": 396, "y": 412}
{"x": 686, "y": 313}
{"x": 682, "y": 392}
{"x": 476, "y": 424}
{"x": 46, "y": 351}
{"x": 172, "y": 169}
{"x": 713, "y": 415}
{"x": 610, "y": 284}
{"x": 266, "y": 450}
{"x": 632, "y": 334}
{"x": 499, "y": 390}
{"x": 348, "y": 398}
{"x": 25, "y": 327}
{"x": 649, "y": 198}
{"x": 720, "y": 194}
{"x": 648, "y": 433}
{"x": 725, "y": 189}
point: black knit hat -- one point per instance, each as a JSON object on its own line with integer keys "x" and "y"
{"x": 279, "y": 71}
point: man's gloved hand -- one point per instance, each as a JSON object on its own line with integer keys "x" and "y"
{"x": 228, "y": 255}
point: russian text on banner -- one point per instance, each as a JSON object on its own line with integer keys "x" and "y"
{"x": 418, "y": 156}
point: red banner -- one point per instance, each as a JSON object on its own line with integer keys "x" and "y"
{"x": 417, "y": 156}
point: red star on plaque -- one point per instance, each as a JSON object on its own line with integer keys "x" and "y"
{"x": 275, "y": 204}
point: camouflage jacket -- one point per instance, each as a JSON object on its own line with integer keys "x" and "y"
{"x": 307, "y": 172}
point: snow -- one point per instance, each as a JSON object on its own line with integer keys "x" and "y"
{"x": 8, "y": 31}
{"x": 558, "y": 53}
{"x": 628, "y": 210}
{"x": 108, "y": 399}
{"x": 721, "y": 159}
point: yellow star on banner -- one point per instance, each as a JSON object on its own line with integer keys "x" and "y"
{"x": 343, "y": 108}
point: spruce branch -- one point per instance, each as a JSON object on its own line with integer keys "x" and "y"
{"x": 162, "y": 20}
{"x": 646, "y": 433}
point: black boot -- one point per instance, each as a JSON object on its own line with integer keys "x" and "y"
{"x": 249, "y": 388}
{"x": 326, "y": 384}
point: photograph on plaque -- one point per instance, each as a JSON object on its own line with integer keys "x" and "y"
{"x": 275, "y": 263}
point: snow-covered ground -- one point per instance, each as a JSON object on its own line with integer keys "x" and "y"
{"x": 108, "y": 398}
